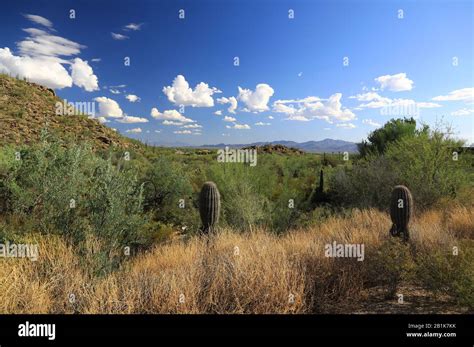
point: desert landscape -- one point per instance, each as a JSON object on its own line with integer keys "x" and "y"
{"x": 133, "y": 241}
{"x": 234, "y": 157}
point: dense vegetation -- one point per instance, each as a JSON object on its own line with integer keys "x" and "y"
{"x": 144, "y": 196}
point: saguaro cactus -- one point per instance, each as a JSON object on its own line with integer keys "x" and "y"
{"x": 401, "y": 209}
{"x": 321, "y": 182}
{"x": 209, "y": 206}
{"x": 318, "y": 195}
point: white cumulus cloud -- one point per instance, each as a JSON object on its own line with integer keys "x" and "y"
{"x": 109, "y": 108}
{"x": 46, "y": 71}
{"x": 232, "y": 101}
{"x": 171, "y": 115}
{"x": 465, "y": 94}
{"x": 180, "y": 93}
{"x": 132, "y": 119}
{"x": 374, "y": 100}
{"x": 256, "y": 101}
{"x": 238, "y": 126}
{"x": 132, "y": 98}
{"x": 83, "y": 75}
{"x": 134, "y": 131}
{"x": 101, "y": 120}
{"x": 41, "y": 59}
{"x": 395, "y": 83}
{"x": 309, "y": 108}
{"x": 229, "y": 119}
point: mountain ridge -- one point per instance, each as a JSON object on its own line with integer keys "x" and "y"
{"x": 326, "y": 145}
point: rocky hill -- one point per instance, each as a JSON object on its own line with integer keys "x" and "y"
{"x": 275, "y": 149}
{"x": 26, "y": 109}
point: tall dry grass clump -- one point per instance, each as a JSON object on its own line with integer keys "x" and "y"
{"x": 44, "y": 285}
{"x": 256, "y": 272}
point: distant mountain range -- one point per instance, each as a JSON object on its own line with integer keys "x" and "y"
{"x": 326, "y": 145}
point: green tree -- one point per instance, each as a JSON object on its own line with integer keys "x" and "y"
{"x": 392, "y": 131}
{"x": 427, "y": 164}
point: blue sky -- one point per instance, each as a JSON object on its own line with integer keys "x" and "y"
{"x": 335, "y": 69}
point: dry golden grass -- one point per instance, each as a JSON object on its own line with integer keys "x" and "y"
{"x": 256, "y": 272}
{"x": 461, "y": 221}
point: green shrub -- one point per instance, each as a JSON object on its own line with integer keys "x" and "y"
{"x": 440, "y": 270}
{"x": 7, "y": 163}
{"x": 390, "y": 264}
{"x": 242, "y": 203}
{"x": 422, "y": 162}
{"x": 316, "y": 216}
{"x": 73, "y": 192}
{"x": 425, "y": 164}
{"x": 166, "y": 183}
{"x": 367, "y": 184}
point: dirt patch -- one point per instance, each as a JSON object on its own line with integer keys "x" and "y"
{"x": 416, "y": 300}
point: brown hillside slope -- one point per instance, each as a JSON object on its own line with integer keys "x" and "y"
{"x": 28, "y": 108}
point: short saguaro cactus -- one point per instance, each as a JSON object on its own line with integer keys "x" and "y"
{"x": 209, "y": 206}
{"x": 401, "y": 210}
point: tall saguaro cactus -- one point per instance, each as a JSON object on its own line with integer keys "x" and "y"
{"x": 321, "y": 182}
{"x": 318, "y": 196}
{"x": 401, "y": 209}
{"x": 209, "y": 206}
